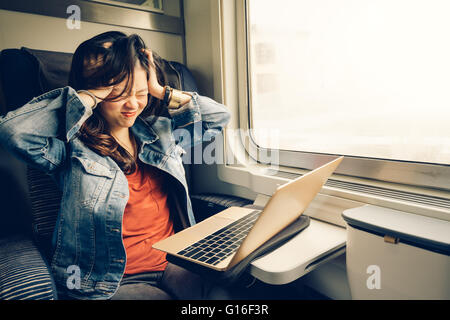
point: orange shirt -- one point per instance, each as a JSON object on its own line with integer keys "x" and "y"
{"x": 146, "y": 220}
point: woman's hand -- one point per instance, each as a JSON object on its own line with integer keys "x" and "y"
{"x": 102, "y": 93}
{"x": 154, "y": 88}
{"x": 99, "y": 93}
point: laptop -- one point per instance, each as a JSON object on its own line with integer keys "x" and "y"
{"x": 228, "y": 237}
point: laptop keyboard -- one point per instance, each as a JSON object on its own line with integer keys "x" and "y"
{"x": 222, "y": 243}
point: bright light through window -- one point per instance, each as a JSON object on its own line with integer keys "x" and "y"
{"x": 352, "y": 77}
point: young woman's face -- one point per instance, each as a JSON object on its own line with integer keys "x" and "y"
{"x": 122, "y": 113}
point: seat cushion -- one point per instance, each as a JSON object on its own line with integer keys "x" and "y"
{"x": 24, "y": 275}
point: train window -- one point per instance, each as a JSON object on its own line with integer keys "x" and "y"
{"x": 364, "y": 78}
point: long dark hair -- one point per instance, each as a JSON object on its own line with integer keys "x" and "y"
{"x": 102, "y": 61}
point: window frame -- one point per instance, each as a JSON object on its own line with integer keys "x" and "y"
{"x": 427, "y": 175}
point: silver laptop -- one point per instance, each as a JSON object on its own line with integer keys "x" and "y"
{"x": 225, "y": 239}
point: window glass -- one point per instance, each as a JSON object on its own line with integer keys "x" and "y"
{"x": 352, "y": 77}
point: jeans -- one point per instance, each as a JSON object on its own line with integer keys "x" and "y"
{"x": 172, "y": 283}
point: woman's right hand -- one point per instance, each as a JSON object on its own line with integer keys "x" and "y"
{"x": 99, "y": 93}
{"x": 102, "y": 93}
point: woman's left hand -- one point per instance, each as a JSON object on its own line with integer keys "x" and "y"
{"x": 154, "y": 88}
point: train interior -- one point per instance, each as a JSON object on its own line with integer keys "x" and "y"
{"x": 305, "y": 83}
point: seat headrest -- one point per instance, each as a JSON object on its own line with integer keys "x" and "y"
{"x": 27, "y": 73}
{"x": 54, "y": 68}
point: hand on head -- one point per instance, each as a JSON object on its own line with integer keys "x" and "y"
{"x": 154, "y": 88}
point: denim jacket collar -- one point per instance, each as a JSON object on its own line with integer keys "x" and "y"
{"x": 76, "y": 114}
{"x": 143, "y": 132}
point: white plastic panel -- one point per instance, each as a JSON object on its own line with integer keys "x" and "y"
{"x": 315, "y": 245}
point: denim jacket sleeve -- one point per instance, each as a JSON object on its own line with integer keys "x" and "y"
{"x": 200, "y": 119}
{"x": 38, "y": 131}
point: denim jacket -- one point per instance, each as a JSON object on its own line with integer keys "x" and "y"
{"x": 88, "y": 232}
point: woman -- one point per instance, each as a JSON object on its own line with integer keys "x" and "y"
{"x": 108, "y": 140}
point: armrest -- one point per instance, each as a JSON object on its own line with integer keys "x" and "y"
{"x": 314, "y": 246}
{"x": 206, "y": 205}
{"x": 24, "y": 274}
